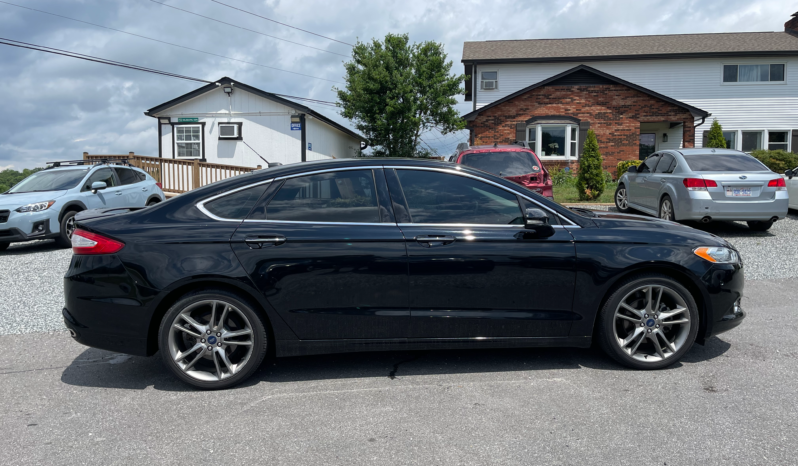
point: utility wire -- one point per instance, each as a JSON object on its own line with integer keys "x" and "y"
{"x": 323, "y": 102}
{"x": 246, "y": 29}
{"x": 283, "y": 24}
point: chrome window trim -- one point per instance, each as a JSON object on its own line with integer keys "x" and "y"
{"x": 468, "y": 175}
{"x": 319, "y": 223}
{"x": 316, "y": 172}
{"x": 467, "y": 225}
{"x": 201, "y": 205}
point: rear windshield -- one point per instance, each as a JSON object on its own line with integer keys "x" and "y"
{"x": 723, "y": 163}
{"x": 503, "y": 163}
{"x": 55, "y": 180}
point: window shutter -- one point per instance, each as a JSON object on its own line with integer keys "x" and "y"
{"x": 794, "y": 145}
{"x": 520, "y": 131}
{"x": 580, "y": 143}
{"x": 704, "y": 139}
{"x": 469, "y": 71}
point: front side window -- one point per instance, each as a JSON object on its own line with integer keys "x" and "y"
{"x": 648, "y": 165}
{"x": 188, "y": 141}
{"x": 236, "y": 206}
{"x": 347, "y": 196}
{"x": 511, "y": 163}
{"x": 752, "y": 140}
{"x": 104, "y": 174}
{"x": 434, "y": 197}
{"x": 710, "y": 162}
{"x": 46, "y": 180}
{"x": 126, "y": 176}
{"x": 753, "y": 73}
{"x": 777, "y": 140}
{"x": 490, "y": 80}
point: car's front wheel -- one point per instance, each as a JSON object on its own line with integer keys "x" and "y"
{"x": 649, "y": 322}
{"x": 67, "y": 228}
{"x": 760, "y": 226}
{"x": 622, "y": 199}
{"x": 212, "y": 339}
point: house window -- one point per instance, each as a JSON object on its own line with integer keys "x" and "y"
{"x": 188, "y": 141}
{"x": 753, "y": 73}
{"x": 489, "y": 81}
{"x": 731, "y": 139}
{"x": 554, "y": 142}
{"x": 777, "y": 140}
{"x": 752, "y": 140}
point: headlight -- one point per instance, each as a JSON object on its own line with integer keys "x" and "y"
{"x": 718, "y": 255}
{"x": 36, "y": 207}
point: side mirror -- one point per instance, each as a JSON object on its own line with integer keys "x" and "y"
{"x": 98, "y": 185}
{"x": 537, "y": 222}
{"x": 789, "y": 173}
{"x": 632, "y": 169}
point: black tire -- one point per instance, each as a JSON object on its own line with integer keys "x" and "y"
{"x": 666, "y": 203}
{"x": 605, "y": 323}
{"x": 760, "y": 226}
{"x": 622, "y": 192}
{"x": 152, "y": 203}
{"x": 4, "y": 246}
{"x": 259, "y": 339}
{"x": 66, "y": 228}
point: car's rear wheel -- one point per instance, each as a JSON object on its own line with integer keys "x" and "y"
{"x": 622, "y": 199}
{"x": 212, "y": 339}
{"x": 67, "y": 229}
{"x": 649, "y": 322}
{"x": 152, "y": 203}
{"x": 666, "y": 208}
{"x": 760, "y": 226}
{"x": 4, "y": 246}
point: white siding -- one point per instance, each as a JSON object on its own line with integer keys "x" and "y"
{"x": 697, "y": 82}
{"x": 328, "y": 142}
{"x": 166, "y": 141}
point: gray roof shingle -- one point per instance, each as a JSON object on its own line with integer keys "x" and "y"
{"x": 738, "y": 43}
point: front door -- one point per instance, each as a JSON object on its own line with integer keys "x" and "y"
{"x": 111, "y": 196}
{"x": 472, "y": 273}
{"x": 648, "y": 143}
{"x": 326, "y": 253}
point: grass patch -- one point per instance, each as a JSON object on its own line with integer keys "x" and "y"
{"x": 568, "y": 193}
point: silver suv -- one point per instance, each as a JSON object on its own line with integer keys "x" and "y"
{"x": 704, "y": 185}
{"x": 44, "y": 204}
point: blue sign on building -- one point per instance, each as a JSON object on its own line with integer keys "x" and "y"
{"x": 310, "y": 146}
{"x": 296, "y": 126}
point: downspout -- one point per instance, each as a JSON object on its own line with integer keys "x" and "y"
{"x": 703, "y": 119}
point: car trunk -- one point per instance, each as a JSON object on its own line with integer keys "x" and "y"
{"x": 741, "y": 186}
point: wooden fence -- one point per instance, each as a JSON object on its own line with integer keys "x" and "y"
{"x": 178, "y": 176}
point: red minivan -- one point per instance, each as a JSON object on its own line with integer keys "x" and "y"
{"x": 515, "y": 163}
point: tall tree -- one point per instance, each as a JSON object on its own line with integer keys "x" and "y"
{"x": 715, "y": 137}
{"x": 395, "y": 91}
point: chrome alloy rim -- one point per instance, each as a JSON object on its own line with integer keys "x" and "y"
{"x": 651, "y": 323}
{"x": 620, "y": 199}
{"x": 70, "y": 226}
{"x": 211, "y": 340}
{"x": 666, "y": 211}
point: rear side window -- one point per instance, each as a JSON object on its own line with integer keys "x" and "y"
{"x": 236, "y": 206}
{"x": 723, "y": 163}
{"x": 503, "y": 163}
{"x": 666, "y": 164}
{"x": 435, "y": 197}
{"x": 104, "y": 174}
{"x": 348, "y": 196}
{"x": 126, "y": 176}
{"x": 141, "y": 175}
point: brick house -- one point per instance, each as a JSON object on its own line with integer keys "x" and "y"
{"x": 639, "y": 94}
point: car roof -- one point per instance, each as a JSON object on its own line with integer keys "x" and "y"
{"x": 502, "y": 148}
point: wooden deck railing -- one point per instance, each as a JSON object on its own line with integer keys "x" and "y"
{"x": 178, "y": 176}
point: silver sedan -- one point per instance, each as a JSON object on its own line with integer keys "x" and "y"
{"x": 704, "y": 185}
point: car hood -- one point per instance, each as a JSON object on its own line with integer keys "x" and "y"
{"x": 656, "y": 226}
{"x": 14, "y": 200}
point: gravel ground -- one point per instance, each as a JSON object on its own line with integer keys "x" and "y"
{"x": 31, "y": 274}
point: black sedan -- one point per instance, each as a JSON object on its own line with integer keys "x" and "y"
{"x": 382, "y": 254}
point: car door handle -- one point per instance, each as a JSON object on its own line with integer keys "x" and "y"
{"x": 258, "y": 241}
{"x": 430, "y": 241}
{"x": 144, "y": 189}
{"x": 118, "y": 193}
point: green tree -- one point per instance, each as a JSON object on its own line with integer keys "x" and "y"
{"x": 715, "y": 137}
{"x": 395, "y": 91}
{"x": 9, "y": 177}
{"x": 590, "y": 182}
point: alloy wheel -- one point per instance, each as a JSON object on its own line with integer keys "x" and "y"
{"x": 211, "y": 340}
{"x": 666, "y": 210}
{"x": 620, "y": 198}
{"x": 651, "y": 323}
{"x": 70, "y": 226}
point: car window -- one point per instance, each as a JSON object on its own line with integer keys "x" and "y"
{"x": 348, "y": 196}
{"x": 435, "y": 197}
{"x": 48, "y": 180}
{"x": 141, "y": 175}
{"x": 665, "y": 164}
{"x": 104, "y": 174}
{"x": 126, "y": 176}
{"x": 723, "y": 162}
{"x": 237, "y": 205}
{"x": 513, "y": 163}
{"x": 648, "y": 165}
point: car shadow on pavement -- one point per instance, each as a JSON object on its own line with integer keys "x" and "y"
{"x": 33, "y": 247}
{"x": 103, "y": 369}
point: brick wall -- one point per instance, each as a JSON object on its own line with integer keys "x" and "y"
{"x": 613, "y": 110}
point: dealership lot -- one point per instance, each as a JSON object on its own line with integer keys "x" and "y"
{"x": 729, "y": 402}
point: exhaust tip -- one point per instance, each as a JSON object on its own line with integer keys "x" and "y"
{"x": 706, "y": 219}
{"x": 774, "y": 219}
{"x": 72, "y": 333}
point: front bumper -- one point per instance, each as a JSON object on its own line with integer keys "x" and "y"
{"x": 30, "y": 226}
{"x": 701, "y": 205}
{"x": 724, "y": 284}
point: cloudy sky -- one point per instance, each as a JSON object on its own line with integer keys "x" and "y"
{"x": 57, "y": 107}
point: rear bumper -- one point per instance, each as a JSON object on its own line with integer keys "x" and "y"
{"x": 111, "y": 342}
{"x": 696, "y": 209}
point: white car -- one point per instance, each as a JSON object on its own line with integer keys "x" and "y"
{"x": 791, "y": 177}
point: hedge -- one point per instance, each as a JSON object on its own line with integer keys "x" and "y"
{"x": 624, "y": 165}
{"x": 777, "y": 160}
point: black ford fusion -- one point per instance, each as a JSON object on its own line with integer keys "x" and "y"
{"x": 376, "y": 254}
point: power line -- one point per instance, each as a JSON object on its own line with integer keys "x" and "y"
{"x": 275, "y": 21}
{"x": 169, "y": 43}
{"x": 246, "y": 29}
{"x": 323, "y": 102}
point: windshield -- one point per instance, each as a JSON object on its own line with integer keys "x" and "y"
{"x": 503, "y": 163}
{"x": 55, "y": 180}
{"x": 724, "y": 163}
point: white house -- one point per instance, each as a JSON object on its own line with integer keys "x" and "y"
{"x": 229, "y": 122}
{"x": 639, "y": 93}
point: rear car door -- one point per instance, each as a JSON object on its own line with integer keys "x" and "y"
{"x": 325, "y": 251}
{"x": 130, "y": 187}
{"x": 655, "y": 182}
{"x": 472, "y": 272}
{"x": 104, "y": 198}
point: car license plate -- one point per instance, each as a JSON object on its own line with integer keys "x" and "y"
{"x": 738, "y": 192}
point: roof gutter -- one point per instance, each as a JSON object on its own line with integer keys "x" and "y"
{"x": 642, "y": 56}
{"x": 703, "y": 119}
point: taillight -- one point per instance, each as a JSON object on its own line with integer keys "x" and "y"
{"x": 160, "y": 186}
{"x": 88, "y": 243}
{"x": 698, "y": 184}
{"x": 778, "y": 183}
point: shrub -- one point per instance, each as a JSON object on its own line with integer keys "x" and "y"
{"x": 561, "y": 177}
{"x": 777, "y": 160}
{"x": 607, "y": 177}
{"x": 590, "y": 182}
{"x": 624, "y": 165}
{"x": 715, "y": 137}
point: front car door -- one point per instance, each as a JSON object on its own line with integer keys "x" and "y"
{"x": 472, "y": 272}
{"x": 325, "y": 251}
{"x": 104, "y": 198}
